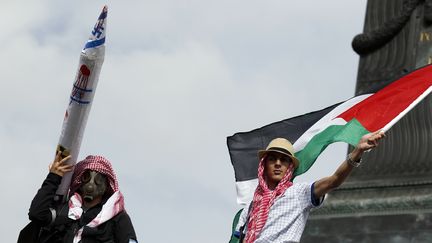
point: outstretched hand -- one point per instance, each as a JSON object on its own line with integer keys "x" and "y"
{"x": 370, "y": 140}
{"x": 58, "y": 166}
{"x": 326, "y": 184}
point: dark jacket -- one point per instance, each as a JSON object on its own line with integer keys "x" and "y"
{"x": 119, "y": 229}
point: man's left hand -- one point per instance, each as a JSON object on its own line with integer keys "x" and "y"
{"x": 367, "y": 142}
{"x": 370, "y": 140}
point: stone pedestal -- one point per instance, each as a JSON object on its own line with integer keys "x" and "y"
{"x": 393, "y": 228}
{"x": 389, "y": 198}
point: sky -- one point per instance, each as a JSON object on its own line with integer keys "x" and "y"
{"x": 178, "y": 78}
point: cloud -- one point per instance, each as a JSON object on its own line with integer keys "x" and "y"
{"x": 178, "y": 78}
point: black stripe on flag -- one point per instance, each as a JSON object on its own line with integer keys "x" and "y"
{"x": 243, "y": 146}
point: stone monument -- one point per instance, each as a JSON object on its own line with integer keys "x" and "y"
{"x": 389, "y": 198}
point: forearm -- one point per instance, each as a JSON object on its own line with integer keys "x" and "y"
{"x": 340, "y": 175}
{"x": 40, "y": 206}
{"x": 332, "y": 182}
{"x": 367, "y": 142}
{"x": 346, "y": 167}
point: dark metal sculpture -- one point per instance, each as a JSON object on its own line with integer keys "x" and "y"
{"x": 389, "y": 198}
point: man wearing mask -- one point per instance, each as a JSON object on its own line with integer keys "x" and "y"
{"x": 94, "y": 212}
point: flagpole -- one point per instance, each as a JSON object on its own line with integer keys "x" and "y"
{"x": 404, "y": 112}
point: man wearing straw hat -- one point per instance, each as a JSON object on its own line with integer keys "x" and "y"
{"x": 280, "y": 208}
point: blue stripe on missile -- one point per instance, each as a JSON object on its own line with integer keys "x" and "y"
{"x": 81, "y": 89}
{"x": 95, "y": 43}
{"x": 80, "y": 101}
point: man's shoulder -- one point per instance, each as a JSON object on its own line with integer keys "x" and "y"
{"x": 301, "y": 190}
{"x": 307, "y": 190}
{"x": 301, "y": 186}
{"x": 121, "y": 216}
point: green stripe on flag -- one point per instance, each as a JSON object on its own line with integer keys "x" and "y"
{"x": 349, "y": 133}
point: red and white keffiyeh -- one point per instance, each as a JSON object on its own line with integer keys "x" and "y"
{"x": 96, "y": 163}
{"x": 263, "y": 199}
{"x": 114, "y": 204}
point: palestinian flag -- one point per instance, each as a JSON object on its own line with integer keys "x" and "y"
{"x": 313, "y": 132}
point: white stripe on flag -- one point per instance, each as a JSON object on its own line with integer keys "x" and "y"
{"x": 245, "y": 191}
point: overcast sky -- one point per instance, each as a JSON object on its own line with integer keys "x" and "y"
{"x": 178, "y": 78}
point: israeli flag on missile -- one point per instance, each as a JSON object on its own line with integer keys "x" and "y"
{"x": 81, "y": 97}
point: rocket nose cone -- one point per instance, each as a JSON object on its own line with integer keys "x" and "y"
{"x": 97, "y": 37}
{"x": 100, "y": 26}
{"x": 104, "y": 12}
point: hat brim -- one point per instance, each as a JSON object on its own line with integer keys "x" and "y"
{"x": 262, "y": 153}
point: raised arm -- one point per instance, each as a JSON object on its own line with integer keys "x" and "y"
{"x": 40, "y": 211}
{"x": 327, "y": 184}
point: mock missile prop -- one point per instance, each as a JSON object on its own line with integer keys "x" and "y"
{"x": 81, "y": 97}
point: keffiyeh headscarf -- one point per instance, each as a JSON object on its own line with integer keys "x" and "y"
{"x": 96, "y": 163}
{"x": 115, "y": 202}
{"x": 263, "y": 199}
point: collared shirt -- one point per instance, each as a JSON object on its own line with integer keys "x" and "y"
{"x": 288, "y": 215}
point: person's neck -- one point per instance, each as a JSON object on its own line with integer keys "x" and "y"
{"x": 87, "y": 205}
{"x": 271, "y": 185}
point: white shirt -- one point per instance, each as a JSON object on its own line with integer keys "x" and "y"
{"x": 287, "y": 216}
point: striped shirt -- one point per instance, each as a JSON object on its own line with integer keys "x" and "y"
{"x": 288, "y": 215}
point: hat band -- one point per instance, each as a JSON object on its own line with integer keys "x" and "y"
{"x": 282, "y": 150}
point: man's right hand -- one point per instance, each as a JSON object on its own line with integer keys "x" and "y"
{"x": 58, "y": 166}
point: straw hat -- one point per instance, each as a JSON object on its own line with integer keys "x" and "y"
{"x": 280, "y": 145}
